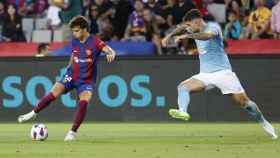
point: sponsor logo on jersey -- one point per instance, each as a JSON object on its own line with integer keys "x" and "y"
{"x": 87, "y": 60}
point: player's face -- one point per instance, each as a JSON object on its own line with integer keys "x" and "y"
{"x": 77, "y": 32}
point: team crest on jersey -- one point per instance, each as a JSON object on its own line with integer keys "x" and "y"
{"x": 88, "y": 52}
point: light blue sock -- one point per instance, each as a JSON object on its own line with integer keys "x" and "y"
{"x": 183, "y": 98}
{"x": 253, "y": 110}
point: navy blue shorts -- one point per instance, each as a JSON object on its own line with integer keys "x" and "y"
{"x": 69, "y": 85}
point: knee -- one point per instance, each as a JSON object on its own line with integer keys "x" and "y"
{"x": 181, "y": 87}
{"x": 242, "y": 100}
{"x": 54, "y": 94}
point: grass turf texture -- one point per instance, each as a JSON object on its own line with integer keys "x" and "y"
{"x": 142, "y": 140}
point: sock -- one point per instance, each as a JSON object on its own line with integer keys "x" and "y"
{"x": 253, "y": 110}
{"x": 44, "y": 102}
{"x": 183, "y": 98}
{"x": 80, "y": 115}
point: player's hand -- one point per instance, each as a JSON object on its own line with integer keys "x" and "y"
{"x": 180, "y": 38}
{"x": 110, "y": 57}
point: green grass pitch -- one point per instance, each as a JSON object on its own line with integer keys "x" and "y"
{"x": 142, "y": 140}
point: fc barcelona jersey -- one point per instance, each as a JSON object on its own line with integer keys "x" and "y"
{"x": 85, "y": 57}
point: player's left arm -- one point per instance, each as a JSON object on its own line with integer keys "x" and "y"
{"x": 102, "y": 47}
{"x": 110, "y": 53}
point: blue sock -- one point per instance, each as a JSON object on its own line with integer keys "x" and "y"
{"x": 183, "y": 98}
{"x": 253, "y": 110}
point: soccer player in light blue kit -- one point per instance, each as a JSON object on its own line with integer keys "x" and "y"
{"x": 215, "y": 69}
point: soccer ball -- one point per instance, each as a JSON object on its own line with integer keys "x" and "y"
{"x": 39, "y": 132}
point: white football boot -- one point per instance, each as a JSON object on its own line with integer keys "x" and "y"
{"x": 26, "y": 117}
{"x": 268, "y": 128}
{"x": 70, "y": 136}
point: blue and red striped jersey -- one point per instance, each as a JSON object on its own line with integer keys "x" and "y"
{"x": 85, "y": 57}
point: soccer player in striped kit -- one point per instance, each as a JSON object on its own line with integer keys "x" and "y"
{"x": 80, "y": 75}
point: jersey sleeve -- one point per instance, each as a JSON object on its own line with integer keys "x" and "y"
{"x": 213, "y": 29}
{"x": 99, "y": 44}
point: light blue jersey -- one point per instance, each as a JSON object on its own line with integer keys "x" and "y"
{"x": 212, "y": 56}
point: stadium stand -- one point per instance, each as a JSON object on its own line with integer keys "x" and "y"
{"x": 40, "y": 36}
{"x": 109, "y": 20}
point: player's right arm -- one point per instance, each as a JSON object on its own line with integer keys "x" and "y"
{"x": 180, "y": 29}
{"x": 70, "y": 61}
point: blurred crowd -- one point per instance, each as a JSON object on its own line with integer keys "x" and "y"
{"x": 141, "y": 20}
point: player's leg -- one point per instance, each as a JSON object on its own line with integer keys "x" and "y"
{"x": 253, "y": 110}
{"x": 228, "y": 83}
{"x": 184, "y": 89}
{"x": 251, "y": 107}
{"x": 84, "y": 99}
{"x": 56, "y": 91}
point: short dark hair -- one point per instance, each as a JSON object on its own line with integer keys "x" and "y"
{"x": 79, "y": 21}
{"x": 192, "y": 14}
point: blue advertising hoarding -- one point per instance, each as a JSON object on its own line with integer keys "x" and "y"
{"x": 134, "y": 89}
